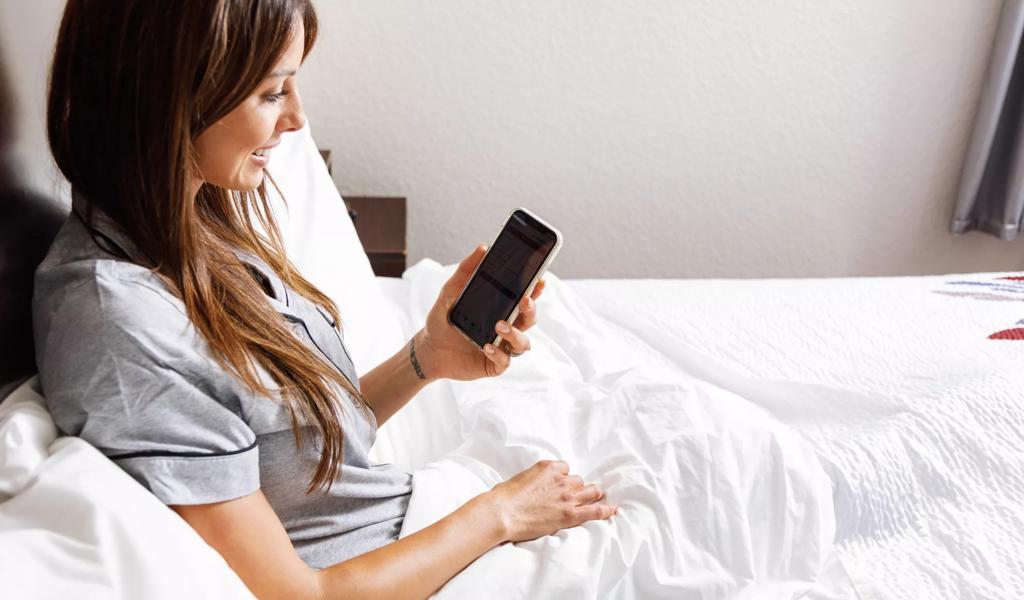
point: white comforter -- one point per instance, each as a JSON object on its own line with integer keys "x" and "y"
{"x": 717, "y": 498}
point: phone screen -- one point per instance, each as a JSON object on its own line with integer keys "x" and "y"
{"x": 503, "y": 277}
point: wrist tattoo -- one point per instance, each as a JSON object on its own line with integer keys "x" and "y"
{"x": 414, "y": 361}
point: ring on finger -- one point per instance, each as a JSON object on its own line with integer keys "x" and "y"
{"x": 507, "y": 347}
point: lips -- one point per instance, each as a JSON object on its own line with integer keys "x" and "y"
{"x": 265, "y": 150}
{"x": 261, "y": 156}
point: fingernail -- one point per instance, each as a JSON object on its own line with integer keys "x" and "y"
{"x": 502, "y": 328}
{"x": 489, "y": 349}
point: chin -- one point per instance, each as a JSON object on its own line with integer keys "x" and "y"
{"x": 248, "y": 184}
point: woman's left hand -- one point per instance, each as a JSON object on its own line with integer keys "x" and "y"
{"x": 443, "y": 352}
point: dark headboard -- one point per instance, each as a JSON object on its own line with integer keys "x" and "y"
{"x": 28, "y": 224}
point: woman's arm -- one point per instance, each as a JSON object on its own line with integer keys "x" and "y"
{"x": 541, "y": 500}
{"x": 250, "y": 537}
{"x": 391, "y": 385}
{"x": 438, "y": 351}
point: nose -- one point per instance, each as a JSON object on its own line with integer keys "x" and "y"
{"x": 292, "y": 118}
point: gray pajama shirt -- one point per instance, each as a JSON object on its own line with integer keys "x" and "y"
{"x": 123, "y": 367}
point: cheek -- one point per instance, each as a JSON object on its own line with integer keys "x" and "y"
{"x": 210, "y": 153}
{"x": 256, "y": 128}
{"x": 249, "y": 131}
{"x": 268, "y": 118}
{"x": 224, "y": 149}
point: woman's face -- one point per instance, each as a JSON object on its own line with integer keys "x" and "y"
{"x": 233, "y": 151}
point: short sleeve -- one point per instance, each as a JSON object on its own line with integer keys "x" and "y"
{"x": 123, "y": 368}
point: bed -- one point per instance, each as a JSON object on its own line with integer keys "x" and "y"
{"x": 832, "y": 438}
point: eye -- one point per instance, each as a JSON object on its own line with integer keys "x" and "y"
{"x": 274, "y": 98}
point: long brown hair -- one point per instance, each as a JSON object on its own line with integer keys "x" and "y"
{"x": 133, "y": 84}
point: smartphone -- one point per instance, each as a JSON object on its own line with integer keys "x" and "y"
{"x": 510, "y": 269}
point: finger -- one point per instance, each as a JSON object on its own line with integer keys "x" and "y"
{"x": 538, "y": 289}
{"x": 592, "y": 512}
{"x": 462, "y": 274}
{"x": 497, "y": 356}
{"x": 527, "y": 316}
{"x": 517, "y": 340}
{"x": 572, "y": 483}
{"x": 587, "y": 494}
{"x": 555, "y": 466}
{"x": 468, "y": 264}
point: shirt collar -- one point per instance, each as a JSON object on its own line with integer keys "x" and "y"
{"x": 107, "y": 234}
{"x": 111, "y": 238}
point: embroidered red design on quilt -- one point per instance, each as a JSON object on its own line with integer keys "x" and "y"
{"x": 1016, "y": 333}
{"x": 994, "y": 289}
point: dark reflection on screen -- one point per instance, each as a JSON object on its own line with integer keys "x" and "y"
{"x": 503, "y": 277}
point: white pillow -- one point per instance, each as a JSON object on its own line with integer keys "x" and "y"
{"x": 322, "y": 242}
{"x": 73, "y": 524}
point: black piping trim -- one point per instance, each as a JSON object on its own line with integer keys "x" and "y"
{"x": 337, "y": 334}
{"x": 327, "y": 317}
{"x": 309, "y": 334}
{"x": 159, "y": 453}
{"x": 343, "y": 347}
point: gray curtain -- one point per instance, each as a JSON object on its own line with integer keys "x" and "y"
{"x": 991, "y": 195}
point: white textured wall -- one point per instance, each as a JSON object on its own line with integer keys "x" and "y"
{"x": 28, "y": 29}
{"x": 666, "y": 138}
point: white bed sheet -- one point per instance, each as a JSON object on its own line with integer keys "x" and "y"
{"x": 915, "y": 414}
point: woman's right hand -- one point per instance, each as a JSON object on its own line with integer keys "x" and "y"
{"x": 545, "y": 499}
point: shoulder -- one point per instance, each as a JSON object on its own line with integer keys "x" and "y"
{"x": 123, "y": 367}
{"x": 82, "y": 291}
{"x": 96, "y": 316}
{"x": 77, "y": 269}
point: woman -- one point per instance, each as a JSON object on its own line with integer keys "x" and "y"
{"x": 174, "y": 335}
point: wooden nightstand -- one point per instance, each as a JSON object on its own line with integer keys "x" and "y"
{"x": 380, "y": 223}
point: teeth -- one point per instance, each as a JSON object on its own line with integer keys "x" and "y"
{"x": 259, "y": 152}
